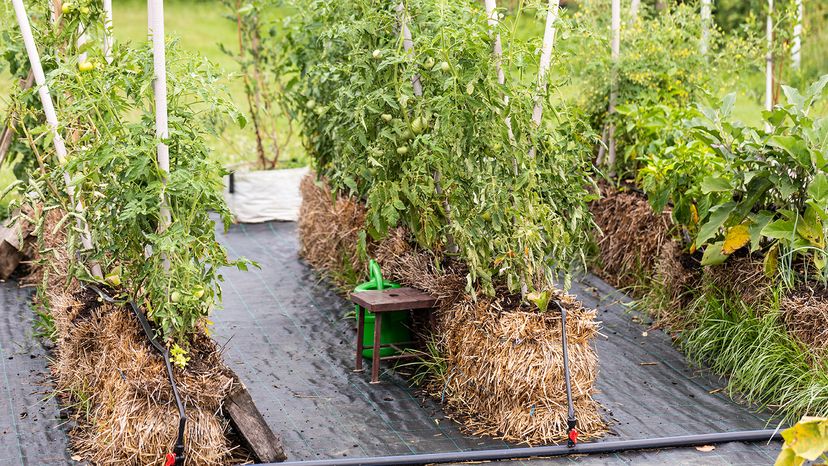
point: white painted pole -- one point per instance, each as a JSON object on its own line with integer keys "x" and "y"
{"x": 108, "y": 38}
{"x": 491, "y": 12}
{"x": 705, "y": 26}
{"x": 769, "y": 64}
{"x": 615, "y": 47}
{"x": 52, "y": 121}
{"x": 408, "y": 45}
{"x": 159, "y": 60}
{"x": 796, "y": 48}
{"x": 545, "y": 61}
{"x": 546, "y": 58}
{"x": 635, "y": 5}
{"x": 82, "y": 39}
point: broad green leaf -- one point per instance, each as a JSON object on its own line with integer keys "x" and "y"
{"x": 809, "y": 227}
{"x": 758, "y": 223}
{"x": 818, "y": 188}
{"x": 771, "y": 261}
{"x": 714, "y": 223}
{"x": 780, "y": 229}
{"x": 715, "y": 184}
{"x": 713, "y": 254}
{"x": 794, "y": 146}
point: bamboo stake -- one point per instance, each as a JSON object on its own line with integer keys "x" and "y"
{"x": 769, "y": 64}
{"x": 159, "y": 84}
{"x": 796, "y": 48}
{"x": 51, "y": 119}
{"x": 705, "y": 25}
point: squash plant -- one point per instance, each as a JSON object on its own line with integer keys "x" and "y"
{"x": 441, "y": 164}
{"x": 108, "y": 123}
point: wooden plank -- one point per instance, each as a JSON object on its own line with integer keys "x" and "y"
{"x": 254, "y": 431}
{"x": 398, "y": 299}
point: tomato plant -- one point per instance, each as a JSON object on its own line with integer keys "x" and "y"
{"x": 107, "y": 116}
{"x": 441, "y": 163}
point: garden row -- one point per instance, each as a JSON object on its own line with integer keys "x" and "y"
{"x": 428, "y": 116}
{"x": 116, "y": 185}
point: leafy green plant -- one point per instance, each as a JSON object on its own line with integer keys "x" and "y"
{"x": 772, "y": 189}
{"x": 751, "y": 346}
{"x": 438, "y": 162}
{"x": 660, "y": 69}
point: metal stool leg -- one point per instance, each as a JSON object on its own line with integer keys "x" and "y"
{"x": 376, "y": 361}
{"x": 360, "y": 336}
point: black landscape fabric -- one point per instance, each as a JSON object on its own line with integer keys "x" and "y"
{"x": 288, "y": 335}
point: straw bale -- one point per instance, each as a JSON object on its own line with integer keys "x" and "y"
{"x": 329, "y": 226}
{"x": 124, "y": 408}
{"x": 804, "y": 312}
{"x": 504, "y": 374}
{"x": 742, "y": 276}
{"x": 631, "y": 237}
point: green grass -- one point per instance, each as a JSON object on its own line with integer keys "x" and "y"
{"x": 752, "y": 348}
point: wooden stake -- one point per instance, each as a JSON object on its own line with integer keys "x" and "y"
{"x": 545, "y": 61}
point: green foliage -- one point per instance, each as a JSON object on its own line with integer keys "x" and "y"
{"x": 107, "y": 114}
{"x": 660, "y": 69}
{"x": 773, "y": 182}
{"x": 441, "y": 164}
{"x": 763, "y": 363}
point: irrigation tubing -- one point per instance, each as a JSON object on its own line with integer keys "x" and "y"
{"x": 766, "y": 435}
{"x": 176, "y": 457}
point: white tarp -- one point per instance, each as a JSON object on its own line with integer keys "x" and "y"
{"x": 261, "y": 196}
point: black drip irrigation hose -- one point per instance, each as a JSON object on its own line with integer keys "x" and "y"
{"x": 176, "y": 458}
{"x": 548, "y": 451}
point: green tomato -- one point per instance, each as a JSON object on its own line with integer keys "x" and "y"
{"x": 86, "y": 66}
{"x": 406, "y": 135}
{"x": 402, "y": 150}
{"x": 377, "y": 54}
{"x": 84, "y": 10}
{"x": 444, "y": 66}
{"x": 66, "y": 8}
{"x": 175, "y": 296}
{"x": 387, "y": 117}
{"x": 198, "y": 292}
{"x": 417, "y": 125}
{"x": 310, "y": 104}
{"x": 429, "y": 63}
